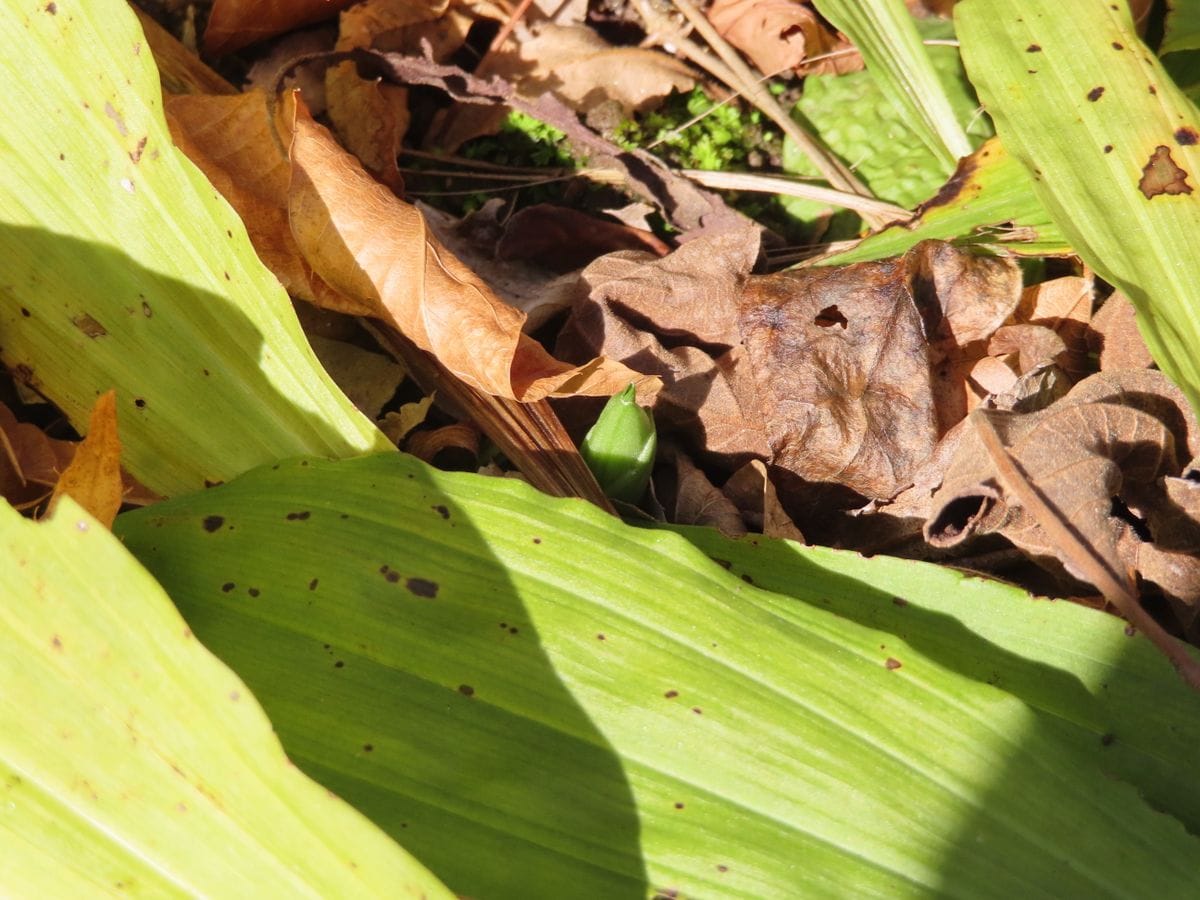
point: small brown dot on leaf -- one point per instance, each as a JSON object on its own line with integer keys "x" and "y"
{"x": 339, "y": 664}
{"x": 312, "y": 585}
{"x": 212, "y": 523}
{"x": 234, "y": 696}
{"x": 537, "y": 540}
{"x": 26, "y": 313}
{"x": 51, "y": 8}
{"x": 466, "y": 690}
{"x": 697, "y": 710}
{"x": 1152, "y": 89}
{"x": 1095, "y": 93}
{"x": 514, "y": 630}
{"x": 1108, "y": 148}
{"x": 139, "y": 403}
{"x": 56, "y": 642}
{"x": 671, "y": 695}
{"x": 1117, "y": 45}
{"x": 892, "y": 663}
{"x": 442, "y": 511}
{"x": 367, "y": 748}
{"x": 253, "y": 592}
{"x": 747, "y": 579}
{"x": 899, "y": 601}
{"x": 422, "y": 587}
{"x": 600, "y": 637}
{"x": 1186, "y": 136}
{"x": 722, "y": 869}
{"x": 298, "y": 516}
{"x": 1033, "y": 48}
{"x": 503, "y": 624}
{"x": 228, "y": 586}
{"x": 679, "y": 806}
{"x": 1106, "y": 740}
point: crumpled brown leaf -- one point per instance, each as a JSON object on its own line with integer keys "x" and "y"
{"x": 780, "y": 35}
{"x": 1115, "y": 435}
{"x": 378, "y": 254}
{"x": 1115, "y": 336}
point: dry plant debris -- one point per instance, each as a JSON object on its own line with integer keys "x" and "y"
{"x": 849, "y": 405}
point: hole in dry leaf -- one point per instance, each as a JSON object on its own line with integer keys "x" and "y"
{"x": 958, "y": 517}
{"x": 1137, "y": 523}
{"x": 829, "y": 317}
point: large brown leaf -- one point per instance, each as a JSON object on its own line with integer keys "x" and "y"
{"x": 1115, "y": 443}
{"x": 234, "y": 24}
{"x": 377, "y": 252}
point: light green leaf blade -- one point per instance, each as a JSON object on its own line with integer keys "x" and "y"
{"x": 884, "y": 32}
{"x": 1181, "y": 31}
{"x": 133, "y": 763}
{"x": 600, "y": 711}
{"x": 1107, "y": 137}
{"x": 989, "y": 202}
{"x": 122, "y": 267}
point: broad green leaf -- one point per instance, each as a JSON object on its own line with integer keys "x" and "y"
{"x": 133, "y": 763}
{"x": 1110, "y": 143}
{"x": 1181, "y": 30}
{"x": 542, "y": 701}
{"x": 123, "y": 268}
{"x": 885, "y": 34}
{"x": 989, "y": 202}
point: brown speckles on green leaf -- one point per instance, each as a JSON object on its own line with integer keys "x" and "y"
{"x": 212, "y": 523}
{"x": 389, "y": 573}
{"x": 227, "y": 587}
{"x": 1033, "y": 48}
{"x": 892, "y": 663}
{"x": 466, "y": 690}
{"x": 422, "y": 587}
{"x": 312, "y": 585}
{"x": 1161, "y": 175}
{"x": 442, "y": 511}
{"x": 298, "y": 516}
{"x": 671, "y": 695}
{"x": 1095, "y": 93}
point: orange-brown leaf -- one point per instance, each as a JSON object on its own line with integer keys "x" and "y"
{"x": 234, "y": 24}
{"x": 93, "y": 479}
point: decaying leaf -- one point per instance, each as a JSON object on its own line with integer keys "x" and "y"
{"x": 1114, "y": 334}
{"x": 377, "y": 252}
{"x": 234, "y": 24}
{"x": 781, "y": 35}
{"x": 752, "y": 492}
{"x": 1107, "y": 458}
{"x": 369, "y": 379}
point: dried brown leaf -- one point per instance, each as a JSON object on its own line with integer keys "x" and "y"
{"x": 93, "y": 478}
{"x": 1115, "y": 336}
{"x": 234, "y": 24}
{"x": 695, "y": 501}
{"x": 752, "y": 492}
{"x": 377, "y": 251}
{"x": 780, "y": 35}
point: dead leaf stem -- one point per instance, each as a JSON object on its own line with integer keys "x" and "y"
{"x": 1115, "y": 588}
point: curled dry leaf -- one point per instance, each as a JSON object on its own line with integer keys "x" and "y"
{"x": 30, "y": 462}
{"x": 781, "y": 35}
{"x": 564, "y": 239}
{"x": 1115, "y": 336}
{"x": 693, "y": 500}
{"x": 234, "y": 24}
{"x": 427, "y": 445}
{"x": 750, "y": 489}
{"x": 378, "y": 253}
{"x": 231, "y": 140}
{"x": 1115, "y": 435}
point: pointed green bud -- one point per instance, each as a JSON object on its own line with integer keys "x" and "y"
{"x": 619, "y": 448}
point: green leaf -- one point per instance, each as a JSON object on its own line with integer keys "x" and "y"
{"x": 133, "y": 763}
{"x": 857, "y": 120}
{"x": 1110, "y": 143}
{"x": 886, "y": 35}
{"x": 123, "y": 267}
{"x": 1181, "y": 30}
{"x": 542, "y": 701}
{"x": 989, "y": 202}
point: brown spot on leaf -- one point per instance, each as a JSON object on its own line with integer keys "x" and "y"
{"x": 1117, "y": 45}
{"x": 312, "y": 585}
{"x": 899, "y": 601}
{"x": 1106, "y": 740}
{"x": 1095, "y": 93}
{"x": 298, "y": 516}
{"x": 514, "y": 630}
{"x": 367, "y": 748}
{"x": 253, "y": 592}
{"x": 1033, "y": 48}
{"x": 671, "y": 695}
{"x": 227, "y": 587}
{"x": 212, "y": 523}
{"x": 89, "y": 326}
{"x": 1152, "y": 89}
{"x": 56, "y": 642}
{"x": 892, "y": 663}
{"x": 722, "y": 869}
{"x": 139, "y": 402}
{"x": 466, "y": 690}
{"x": 600, "y": 637}
{"x": 389, "y": 573}
{"x": 537, "y": 540}
{"x": 697, "y": 710}
{"x": 1186, "y": 136}
{"x": 26, "y": 313}
{"x": 339, "y": 664}
{"x": 422, "y": 587}
{"x": 118, "y": 119}
{"x": 1108, "y": 148}
{"x": 1160, "y": 175}
{"x": 678, "y": 805}
{"x": 441, "y": 510}
{"x": 136, "y": 153}
{"x": 51, "y": 8}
